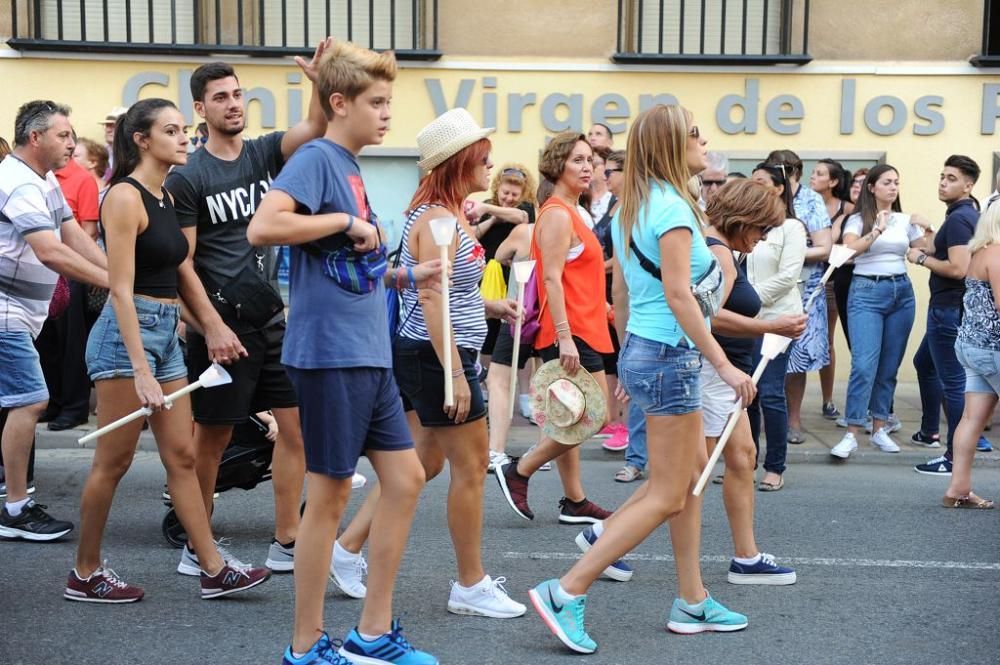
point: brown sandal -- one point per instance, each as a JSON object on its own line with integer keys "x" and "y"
{"x": 971, "y": 501}
{"x": 764, "y": 486}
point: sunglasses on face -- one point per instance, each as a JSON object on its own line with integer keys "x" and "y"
{"x": 694, "y": 132}
{"x": 608, "y": 172}
{"x": 195, "y": 140}
{"x": 712, "y": 183}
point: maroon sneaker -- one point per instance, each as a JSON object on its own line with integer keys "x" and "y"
{"x": 584, "y": 512}
{"x": 515, "y": 488}
{"x": 232, "y": 579}
{"x": 104, "y": 586}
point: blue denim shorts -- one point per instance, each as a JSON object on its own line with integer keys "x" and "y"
{"x": 662, "y": 380}
{"x": 107, "y": 357}
{"x": 982, "y": 368}
{"x": 21, "y": 380}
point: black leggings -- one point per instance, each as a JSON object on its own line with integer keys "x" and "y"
{"x": 842, "y": 277}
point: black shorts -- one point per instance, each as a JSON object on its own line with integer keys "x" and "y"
{"x": 493, "y": 327}
{"x": 259, "y": 380}
{"x": 503, "y": 350}
{"x": 611, "y": 359}
{"x": 590, "y": 360}
{"x": 421, "y": 381}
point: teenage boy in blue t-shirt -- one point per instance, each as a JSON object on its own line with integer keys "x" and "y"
{"x": 337, "y": 354}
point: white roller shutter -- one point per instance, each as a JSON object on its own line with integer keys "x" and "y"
{"x": 93, "y": 13}
{"x": 756, "y": 20}
{"x": 300, "y": 31}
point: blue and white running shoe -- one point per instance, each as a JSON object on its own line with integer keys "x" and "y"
{"x": 706, "y": 616}
{"x": 562, "y": 616}
{"x": 324, "y": 652}
{"x": 618, "y": 571}
{"x": 765, "y": 571}
{"x": 389, "y": 649}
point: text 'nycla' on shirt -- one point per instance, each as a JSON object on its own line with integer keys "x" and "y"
{"x": 29, "y": 203}
{"x": 219, "y": 197}
{"x": 330, "y": 327}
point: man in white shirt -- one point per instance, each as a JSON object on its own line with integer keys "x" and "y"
{"x": 39, "y": 240}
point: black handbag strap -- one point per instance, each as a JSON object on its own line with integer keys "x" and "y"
{"x": 654, "y": 270}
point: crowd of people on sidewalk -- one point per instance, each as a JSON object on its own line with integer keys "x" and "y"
{"x": 127, "y": 267}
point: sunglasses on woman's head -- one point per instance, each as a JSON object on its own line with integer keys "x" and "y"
{"x": 514, "y": 172}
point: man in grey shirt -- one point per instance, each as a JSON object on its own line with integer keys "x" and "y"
{"x": 230, "y": 287}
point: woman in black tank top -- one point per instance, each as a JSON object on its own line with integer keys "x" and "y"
{"x": 740, "y": 215}
{"x": 134, "y": 355}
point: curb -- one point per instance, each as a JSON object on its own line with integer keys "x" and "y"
{"x": 522, "y": 437}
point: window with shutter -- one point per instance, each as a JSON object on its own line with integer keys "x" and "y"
{"x": 713, "y": 31}
{"x": 121, "y": 21}
{"x": 377, "y": 24}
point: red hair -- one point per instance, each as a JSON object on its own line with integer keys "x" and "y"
{"x": 452, "y": 180}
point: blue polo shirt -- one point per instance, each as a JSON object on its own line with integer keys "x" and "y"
{"x": 959, "y": 225}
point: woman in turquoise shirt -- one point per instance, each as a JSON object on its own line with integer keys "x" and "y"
{"x": 657, "y": 231}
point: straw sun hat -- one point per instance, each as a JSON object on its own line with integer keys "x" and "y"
{"x": 446, "y": 135}
{"x": 113, "y": 116}
{"x": 569, "y": 409}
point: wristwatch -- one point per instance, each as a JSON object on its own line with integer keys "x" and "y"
{"x": 921, "y": 259}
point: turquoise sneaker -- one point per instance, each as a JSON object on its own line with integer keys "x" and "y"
{"x": 708, "y": 615}
{"x": 389, "y": 649}
{"x": 564, "y": 619}
{"x": 324, "y": 652}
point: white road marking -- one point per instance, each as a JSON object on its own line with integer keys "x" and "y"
{"x": 801, "y": 561}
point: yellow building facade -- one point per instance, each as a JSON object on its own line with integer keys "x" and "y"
{"x": 907, "y": 87}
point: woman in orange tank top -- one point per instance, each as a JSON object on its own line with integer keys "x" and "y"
{"x": 574, "y": 323}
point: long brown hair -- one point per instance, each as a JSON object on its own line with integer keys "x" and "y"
{"x": 656, "y": 153}
{"x": 452, "y": 180}
{"x": 867, "y": 206}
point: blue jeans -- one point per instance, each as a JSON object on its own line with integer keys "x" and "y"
{"x": 881, "y": 311}
{"x": 940, "y": 376}
{"x": 771, "y": 401}
{"x": 636, "y": 454}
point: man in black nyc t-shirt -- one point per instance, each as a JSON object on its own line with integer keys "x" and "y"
{"x": 939, "y": 374}
{"x": 215, "y": 195}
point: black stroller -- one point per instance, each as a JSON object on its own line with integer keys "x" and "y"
{"x": 246, "y": 463}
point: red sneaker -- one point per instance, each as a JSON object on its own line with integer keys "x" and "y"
{"x": 231, "y": 580}
{"x": 104, "y": 586}
{"x": 585, "y": 512}
{"x": 515, "y": 488}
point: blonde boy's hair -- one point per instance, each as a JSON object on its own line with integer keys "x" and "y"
{"x": 350, "y": 70}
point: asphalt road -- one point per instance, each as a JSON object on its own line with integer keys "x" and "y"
{"x": 885, "y": 576}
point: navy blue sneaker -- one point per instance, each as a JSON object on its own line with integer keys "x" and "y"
{"x": 390, "y": 649}
{"x": 618, "y": 571}
{"x": 983, "y": 445}
{"x": 324, "y": 652}
{"x": 765, "y": 571}
{"x": 939, "y": 466}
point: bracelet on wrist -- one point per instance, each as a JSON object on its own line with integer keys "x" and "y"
{"x": 455, "y": 373}
{"x": 350, "y": 223}
{"x": 409, "y": 275}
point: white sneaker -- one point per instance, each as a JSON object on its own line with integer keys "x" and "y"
{"x": 884, "y": 442}
{"x": 189, "y": 564}
{"x": 496, "y": 459}
{"x": 524, "y": 406}
{"x": 894, "y": 424}
{"x": 358, "y": 481}
{"x": 488, "y": 598}
{"x": 348, "y": 570}
{"x": 848, "y": 444}
{"x": 280, "y": 559}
